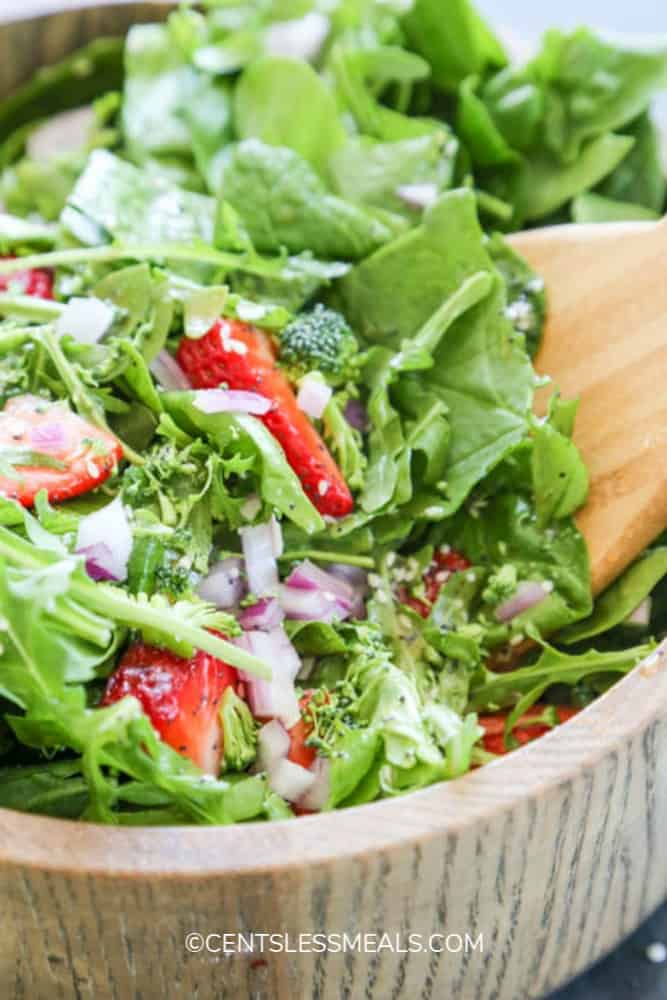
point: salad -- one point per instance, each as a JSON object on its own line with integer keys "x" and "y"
{"x": 279, "y": 532}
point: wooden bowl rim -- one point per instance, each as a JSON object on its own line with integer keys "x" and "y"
{"x": 600, "y": 732}
{"x": 627, "y": 711}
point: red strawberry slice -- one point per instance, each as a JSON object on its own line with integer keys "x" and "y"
{"x": 180, "y": 697}
{"x": 241, "y": 357}
{"x": 445, "y": 561}
{"x": 528, "y": 728}
{"x": 35, "y": 282}
{"x": 77, "y": 456}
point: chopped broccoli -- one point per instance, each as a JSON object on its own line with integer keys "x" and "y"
{"x": 239, "y": 732}
{"x": 320, "y": 340}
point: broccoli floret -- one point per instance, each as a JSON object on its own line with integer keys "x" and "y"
{"x": 320, "y": 340}
{"x": 239, "y": 732}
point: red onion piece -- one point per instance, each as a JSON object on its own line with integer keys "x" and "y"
{"x": 307, "y": 576}
{"x": 266, "y": 615}
{"x": 259, "y": 546}
{"x": 356, "y": 414}
{"x": 106, "y": 537}
{"x": 290, "y": 780}
{"x": 169, "y": 373}
{"x": 98, "y": 557}
{"x": 275, "y": 698}
{"x": 528, "y": 594}
{"x": 418, "y": 195}
{"x": 231, "y": 401}
{"x": 313, "y": 605}
{"x": 313, "y": 395}
{"x": 225, "y": 584}
{"x": 317, "y": 795}
{"x": 354, "y": 575}
{"x": 641, "y": 615}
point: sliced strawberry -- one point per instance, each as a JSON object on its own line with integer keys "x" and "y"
{"x": 529, "y": 727}
{"x": 241, "y": 357}
{"x": 79, "y": 456}
{"x": 35, "y": 282}
{"x": 445, "y": 562}
{"x": 181, "y": 698}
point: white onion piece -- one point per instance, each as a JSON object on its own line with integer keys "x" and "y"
{"x": 231, "y": 401}
{"x": 312, "y": 605}
{"x": 528, "y": 594}
{"x": 299, "y": 38}
{"x": 272, "y": 744}
{"x": 259, "y": 552}
{"x": 290, "y": 780}
{"x": 418, "y": 195}
{"x": 169, "y": 373}
{"x": 224, "y": 586}
{"x": 317, "y": 795}
{"x": 87, "y": 320}
{"x": 641, "y": 615}
{"x": 107, "y": 528}
{"x": 313, "y": 396}
{"x": 307, "y": 576}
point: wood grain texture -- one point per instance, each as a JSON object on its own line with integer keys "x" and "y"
{"x": 606, "y": 342}
{"x": 553, "y": 854}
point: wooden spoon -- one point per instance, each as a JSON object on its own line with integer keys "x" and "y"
{"x": 606, "y": 342}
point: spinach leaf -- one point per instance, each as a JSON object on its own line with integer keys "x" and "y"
{"x": 592, "y": 207}
{"x": 52, "y": 789}
{"x": 284, "y": 102}
{"x": 593, "y": 88}
{"x": 621, "y": 598}
{"x": 640, "y": 177}
{"x": 283, "y": 204}
{"x": 456, "y": 44}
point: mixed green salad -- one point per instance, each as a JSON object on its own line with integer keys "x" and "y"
{"x": 279, "y": 532}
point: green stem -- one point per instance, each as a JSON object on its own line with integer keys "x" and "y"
{"x": 11, "y": 340}
{"x": 154, "y": 252}
{"x": 29, "y": 307}
{"x": 365, "y": 562}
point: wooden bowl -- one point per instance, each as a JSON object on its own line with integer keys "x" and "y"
{"x": 545, "y": 859}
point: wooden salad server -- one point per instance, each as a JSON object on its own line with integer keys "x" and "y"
{"x": 606, "y": 342}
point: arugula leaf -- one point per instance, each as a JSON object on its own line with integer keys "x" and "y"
{"x": 283, "y": 204}
{"x": 560, "y": 478}
{"x": 236, "y": 435}
{"x": 640, "y": 177}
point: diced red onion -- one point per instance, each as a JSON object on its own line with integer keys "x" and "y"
{"x": 231, "y": 401}
{"x": 225, "y": 585}
{"x": 48, "y": 437}
{"x": 641, "y": 615}
{"x": 313, "y": 605}
{"x": 276, "y": 536}
{"x": 266, "y": 615}
{"x": 313, "y": 396}
{"x": 317, "y": 795}
{"x": 354, "y": 575}
{"x": 98, "y": 557}
{"x": 169, "y": 373}
{"x": 87, "y": 320}
{"x": 528, "y": 594}
{"x": 290, "y": 780}
{"x": 356, "y": 415}
{"x": 418, "y": 195}
{"x": 275, "y": 698}
{"x": 307, "y": 576}
{"x": 106, "y": 538}
{"x": 272, "y": 744}
{"x": 251, "y": 507}
{"x": 258, "y": 543}
{"x": 299, "y": 38}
